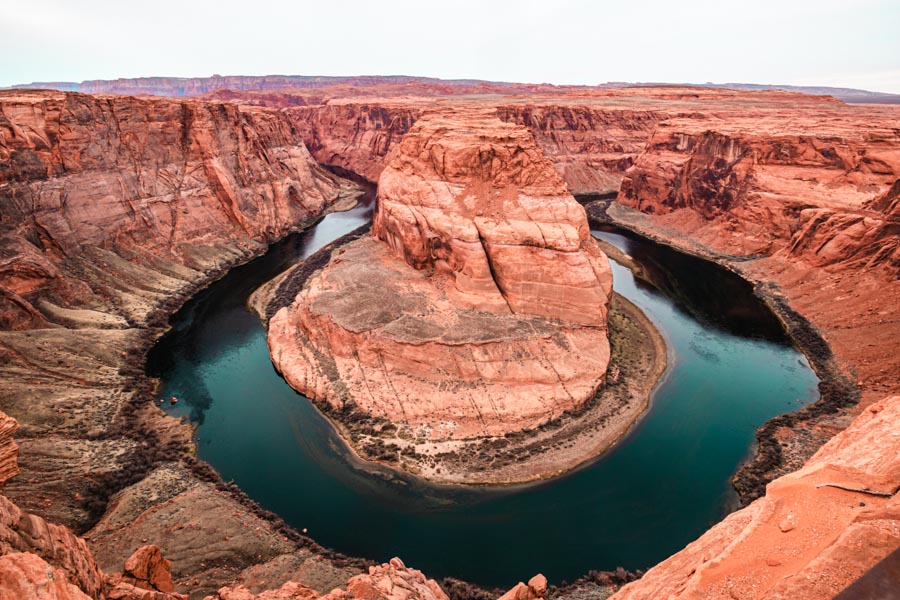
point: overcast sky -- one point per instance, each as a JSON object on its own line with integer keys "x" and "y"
{"x": 846, "y": 43}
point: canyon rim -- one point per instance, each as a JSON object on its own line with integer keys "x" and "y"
{"x": 472, "y": 334}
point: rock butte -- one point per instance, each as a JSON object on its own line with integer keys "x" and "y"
{"x": 478, "y": 307}
{"x": 112, "y": 209}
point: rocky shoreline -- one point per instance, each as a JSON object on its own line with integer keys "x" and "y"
{"x": 85, "y": 291}
{"x": 467, "y": 339}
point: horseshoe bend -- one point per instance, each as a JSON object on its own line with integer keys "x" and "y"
{"x": 515, "y": 312}
{"x": 477, "y": 307}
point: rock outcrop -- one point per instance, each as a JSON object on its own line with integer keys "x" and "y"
{"x": 29, "y": 577}
{"x": 9, "y": 450}
{"x": 389, "y": 581}
{"x": 805, "y": 206}
{"x": 475, "y": 197}
{"x": 592, "y": 136}
{"x": 148, "y": 569}
{"x": 113, "y": 209}
{"x": 31, "y": 549}
{"x": 354, "y": 135}
{"x": 590, "y": 146}
{"x": 535, "y": 589}
{"x": 812, "y": 534}
{"x": 479, "y": 305}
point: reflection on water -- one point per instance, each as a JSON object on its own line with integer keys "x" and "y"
{"x": 654, "y": 492}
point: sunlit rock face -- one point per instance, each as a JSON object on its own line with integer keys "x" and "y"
{"x": 477, "y": 307}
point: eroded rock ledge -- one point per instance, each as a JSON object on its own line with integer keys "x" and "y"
{"x": 813, "y": 533}
{"x": 477, "y": 307}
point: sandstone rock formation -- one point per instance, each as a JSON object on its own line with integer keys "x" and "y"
{"x": 592, "y": 136}
{"x": 145, "y": 191}
{"x": 148, "y": 569}
{"x": 28, "y": 577}
{"x": 480, "y": 308}
{"x": 764, "y": 185}
{"x": 112, "y": 212}
{"x": 814, "y": 532}
{"x": 468, "y": 194}
{"x": 9, "y": 450}
{"x": 804, "y": 205}
{"x": 390, "y": 581}
{"x": 112, "y": 209}
{"x": 534, "y": 590}
{"x": 356, "y": 136}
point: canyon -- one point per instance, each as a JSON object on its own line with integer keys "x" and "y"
{"x": 114, "y": 209}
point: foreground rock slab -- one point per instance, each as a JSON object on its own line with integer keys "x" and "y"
{"x": 814, "y": 532}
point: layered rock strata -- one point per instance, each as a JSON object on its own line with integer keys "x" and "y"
{"x": 478, "y": 307}
{"x": 592, "y": 136}
{"x": 112, "y": 212}
{"x": 46, "y": 561}
{"x": 105, "y": 199}
{"x": 390, "y": 581}
{"x": 806, "y": 188}
{"x": 64, "y": 381}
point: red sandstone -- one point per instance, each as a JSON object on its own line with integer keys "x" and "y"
{"x": 481, "y": 310}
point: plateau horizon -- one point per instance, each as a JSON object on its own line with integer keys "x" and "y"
{"x": 807, "y": 43}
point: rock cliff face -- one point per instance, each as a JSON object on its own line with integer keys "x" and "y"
{"x": 806, "y": 207}
{"x": 41, "y": 560}
{"x": 807, "y": 188}
{"x": 112, "y": 211}
{"x": 390, "y": 581}
{"x": 45, "y": 561}
{"x": 812, "y": 534}
{"x": 592, "y": 136}
{"x": 471, "y": 195}
{"x": 590, "y": 146}
{"x": 480, "y": 308}
{"x": 9, "y": 450}
{"x": 164, "y": 185}
{"x": 356, "y": 136}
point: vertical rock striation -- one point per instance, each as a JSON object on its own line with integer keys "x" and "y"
{"x": 167, "y": 186}
{"x": 475, "y": 196}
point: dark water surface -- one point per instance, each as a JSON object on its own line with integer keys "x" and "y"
{"x": 662, "y": 486}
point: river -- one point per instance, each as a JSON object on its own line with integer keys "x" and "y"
{"x": 730, "y": 369}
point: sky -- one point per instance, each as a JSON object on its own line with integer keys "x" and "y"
{"x": 842, "y": 43}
